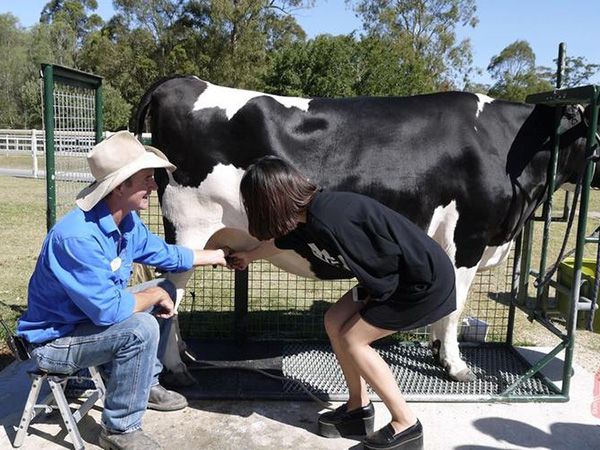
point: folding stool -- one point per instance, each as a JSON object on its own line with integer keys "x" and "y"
{"x": 56, "y": 399}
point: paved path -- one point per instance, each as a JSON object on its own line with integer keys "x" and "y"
{"x": 277, "y": 425}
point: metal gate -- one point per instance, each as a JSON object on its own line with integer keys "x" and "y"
{"x": 270, "y": 316}
{"x": 72, "y": 125}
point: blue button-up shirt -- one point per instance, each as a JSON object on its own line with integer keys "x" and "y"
{"x": 84, "y": 268}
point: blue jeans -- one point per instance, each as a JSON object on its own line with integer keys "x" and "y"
{"x": 129, "y": 347}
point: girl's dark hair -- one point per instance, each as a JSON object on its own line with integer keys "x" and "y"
{"x": 274, "y": 194}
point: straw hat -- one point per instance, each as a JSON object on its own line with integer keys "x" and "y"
{"x": 114, "y": 160}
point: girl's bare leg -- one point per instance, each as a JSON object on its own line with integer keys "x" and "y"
{"x": 335, "y": 319}
{"x": 355, "y": 338}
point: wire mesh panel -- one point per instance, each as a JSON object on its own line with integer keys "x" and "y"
{"x": 72, "y": 125}
{"x": 282, "y": 306}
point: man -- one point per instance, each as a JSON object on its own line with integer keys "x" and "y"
{"x": 80, "y": 312}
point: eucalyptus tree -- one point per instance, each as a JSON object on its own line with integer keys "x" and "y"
{"x": 427, "y": 31}
{"x": 77, "y": 14}
{"x": 578, "y": 71}
{"x": 236, "y": 38}
{"x": 155, "y": 22}
{"x": 66, "y": 23}
{"x": 515, "y": 73}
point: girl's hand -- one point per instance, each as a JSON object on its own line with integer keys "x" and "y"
{"x": 238, "y": 260}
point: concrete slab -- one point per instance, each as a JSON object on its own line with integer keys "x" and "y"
{"x": 234, "y": 424}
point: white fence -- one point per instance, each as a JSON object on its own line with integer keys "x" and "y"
{"x": 23, "y": 142}
{"x": 32, "y": 143}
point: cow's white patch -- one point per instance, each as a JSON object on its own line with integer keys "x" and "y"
{"x": 198, "y": 212}
{"x": 493, "y": 256}
{"x": 482, "y": 100}
{"x": 442, "y": 225}
{"x": 441, "y": 228}
{"x": 231, "y": 100}
{"x": 212, "y": 215}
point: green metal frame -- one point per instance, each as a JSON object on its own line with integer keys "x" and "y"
{"x": 585, "y": 95}
{"x": 53, "y": 75}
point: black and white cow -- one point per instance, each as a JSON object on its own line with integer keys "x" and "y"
{"x": 466, "y": 168}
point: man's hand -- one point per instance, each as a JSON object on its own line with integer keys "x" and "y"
{"x": 211, "y": 257}
{"x": 165, "y": 308}
{"x": 155, "y": 297}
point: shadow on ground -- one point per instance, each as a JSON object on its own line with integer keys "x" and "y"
{"x": 562, "y": 435}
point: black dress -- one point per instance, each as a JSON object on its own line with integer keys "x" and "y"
{"x": 407, "y": 275}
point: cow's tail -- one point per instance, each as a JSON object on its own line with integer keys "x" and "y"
{"x": 144, "y": 104}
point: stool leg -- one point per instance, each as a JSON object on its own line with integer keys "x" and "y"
{"x": 29, "y": 411}
{"x": 95, "y": 374}
{"x": 65, "y": 411}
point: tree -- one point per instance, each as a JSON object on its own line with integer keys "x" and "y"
{"x": 30, "y": 100}
{"x": 159, "y": 22}
{"x": 516, "y": 74}
{"x": 577, "y": 71}
{"x": 389, "y": 67}
{"x": 126, "y": 59}
{"x": 116, "y": 110}
{"x": 13, "y": 73}
{"x": 325, "y": 66}
{"x": 76, "y": 14}
{"x": 428, "y": 29}
{"x": 238, "y": 37}
{"x": 342, "y": 66}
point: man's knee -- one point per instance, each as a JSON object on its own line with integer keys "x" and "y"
{"x": 145, "y": 327}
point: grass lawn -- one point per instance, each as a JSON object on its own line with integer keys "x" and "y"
{"x": 23, "y": 227}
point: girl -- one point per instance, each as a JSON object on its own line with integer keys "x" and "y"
{"x": 405, "y": 281}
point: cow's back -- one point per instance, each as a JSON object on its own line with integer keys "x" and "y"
{"x": 414, "y": 154}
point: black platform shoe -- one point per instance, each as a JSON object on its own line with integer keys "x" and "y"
{"x": 388, "y": 439}
{"x": 342, "y": 423}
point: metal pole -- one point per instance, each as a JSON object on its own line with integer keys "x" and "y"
{"x": 240, "y": 311}
{"x": 542, "y": 291}
{"x": 48, "y": 76}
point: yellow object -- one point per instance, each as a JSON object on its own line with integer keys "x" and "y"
{"x": 565, "y": 278}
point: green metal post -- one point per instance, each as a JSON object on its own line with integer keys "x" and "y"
{"x": 542, "y": 291}
{"x": 48, "y": 75}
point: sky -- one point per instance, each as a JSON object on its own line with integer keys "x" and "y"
{"x": 543, "y": 23}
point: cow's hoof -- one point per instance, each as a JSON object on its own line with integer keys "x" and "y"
{"x": 465, "y": 375}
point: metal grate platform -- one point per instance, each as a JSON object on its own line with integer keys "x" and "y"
{"x": 230, "y": 372}
{"x": 418, "y": 375}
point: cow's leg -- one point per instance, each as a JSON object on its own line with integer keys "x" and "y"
{"x": 176, "y": 373}
{"x": 445, "y": 329}
{"x": 176, "y": 370}
{"x": 442, "y": 228}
